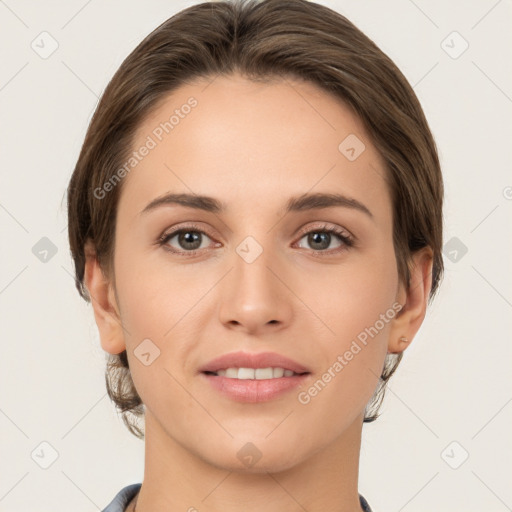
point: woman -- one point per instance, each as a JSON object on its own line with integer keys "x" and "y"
{"x": 256, "y": 218}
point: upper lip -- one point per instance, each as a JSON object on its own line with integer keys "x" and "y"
{"x": 253, "y": 360}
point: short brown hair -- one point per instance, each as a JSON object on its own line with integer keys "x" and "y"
{"x": 262, "y": 40}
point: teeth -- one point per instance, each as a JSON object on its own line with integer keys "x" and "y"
{"x": 255, "y": 373}
{"x": 279, "y": 372}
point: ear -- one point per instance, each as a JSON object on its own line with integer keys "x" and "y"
{"x": 414, "y": 300}
{"x": 104, "y": 303}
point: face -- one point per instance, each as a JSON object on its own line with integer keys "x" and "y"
{"x": 309, "y": 283}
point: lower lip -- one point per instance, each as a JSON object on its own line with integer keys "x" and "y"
{"x": 254, "y": 390}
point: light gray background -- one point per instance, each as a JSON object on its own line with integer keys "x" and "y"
{"x": 454, "y": 381}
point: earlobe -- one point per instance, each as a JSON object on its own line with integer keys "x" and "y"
{"x": 106, "y": 311}
{"x": 415, "y": 300}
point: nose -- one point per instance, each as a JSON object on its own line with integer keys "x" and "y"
{"x": 254, "y": 297}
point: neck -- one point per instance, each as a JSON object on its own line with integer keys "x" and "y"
{"x": 177, "y": 479}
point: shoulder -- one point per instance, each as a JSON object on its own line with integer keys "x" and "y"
{"x": 364, "y": 504}
{"x": 122, "y": 498}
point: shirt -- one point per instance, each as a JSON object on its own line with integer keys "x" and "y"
{"x": 126, "y": 494}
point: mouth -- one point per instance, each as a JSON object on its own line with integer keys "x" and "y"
{"x": 254, "y": 377}
{"x": 247, "y": 365}
{"x": 267, "y": 373}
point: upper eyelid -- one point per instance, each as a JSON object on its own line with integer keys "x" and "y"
{"x": 325, "y": 226}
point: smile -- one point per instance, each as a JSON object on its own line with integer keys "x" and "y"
{"x": 254, "y": 373}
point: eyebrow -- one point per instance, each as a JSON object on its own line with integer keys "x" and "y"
{"x": 300, "y": 203}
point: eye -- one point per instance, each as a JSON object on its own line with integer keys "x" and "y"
{"x": 189, "y": 240}
{"x": 320, "y": 238}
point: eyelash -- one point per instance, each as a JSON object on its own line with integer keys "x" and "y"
{"x": 348, "y": 240}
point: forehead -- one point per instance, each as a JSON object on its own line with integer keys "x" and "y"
{"x": 253, "y": 144}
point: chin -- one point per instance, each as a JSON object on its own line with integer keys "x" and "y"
{"x": 256, "y": 457}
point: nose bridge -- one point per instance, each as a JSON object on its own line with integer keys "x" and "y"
{"x": 253, "y": 296}
{"x": 251, "y": 273}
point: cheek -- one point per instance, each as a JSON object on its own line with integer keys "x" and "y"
{"x": 154, "y": 294}
{"x": 357, "y": 308}
{"x": 156, "y": 307}
{"x": 355, "y": 304}
{"x": 161, "y": 303}
{"x": 352, "y": 296}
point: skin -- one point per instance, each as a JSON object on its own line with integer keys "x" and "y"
{"x": 253, "y": 146}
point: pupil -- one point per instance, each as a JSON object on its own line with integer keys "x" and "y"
{"x": 316, "y": 238}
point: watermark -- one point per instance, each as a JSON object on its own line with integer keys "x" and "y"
{"x": 44, "y": 455}
{"x": 44, "y": 45}
{"x": 455, "y": 249}
{"x": 44, "y": 249}
{"x": 150, "y": 143}
{"x": 455, "y": 455}
{"x": 249, "y": 454}
{"x": 454, "y": 45}
{"x": 351, "y": 147}
{"x": 304, "y": 397}
{"x": 146, "y": 352}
